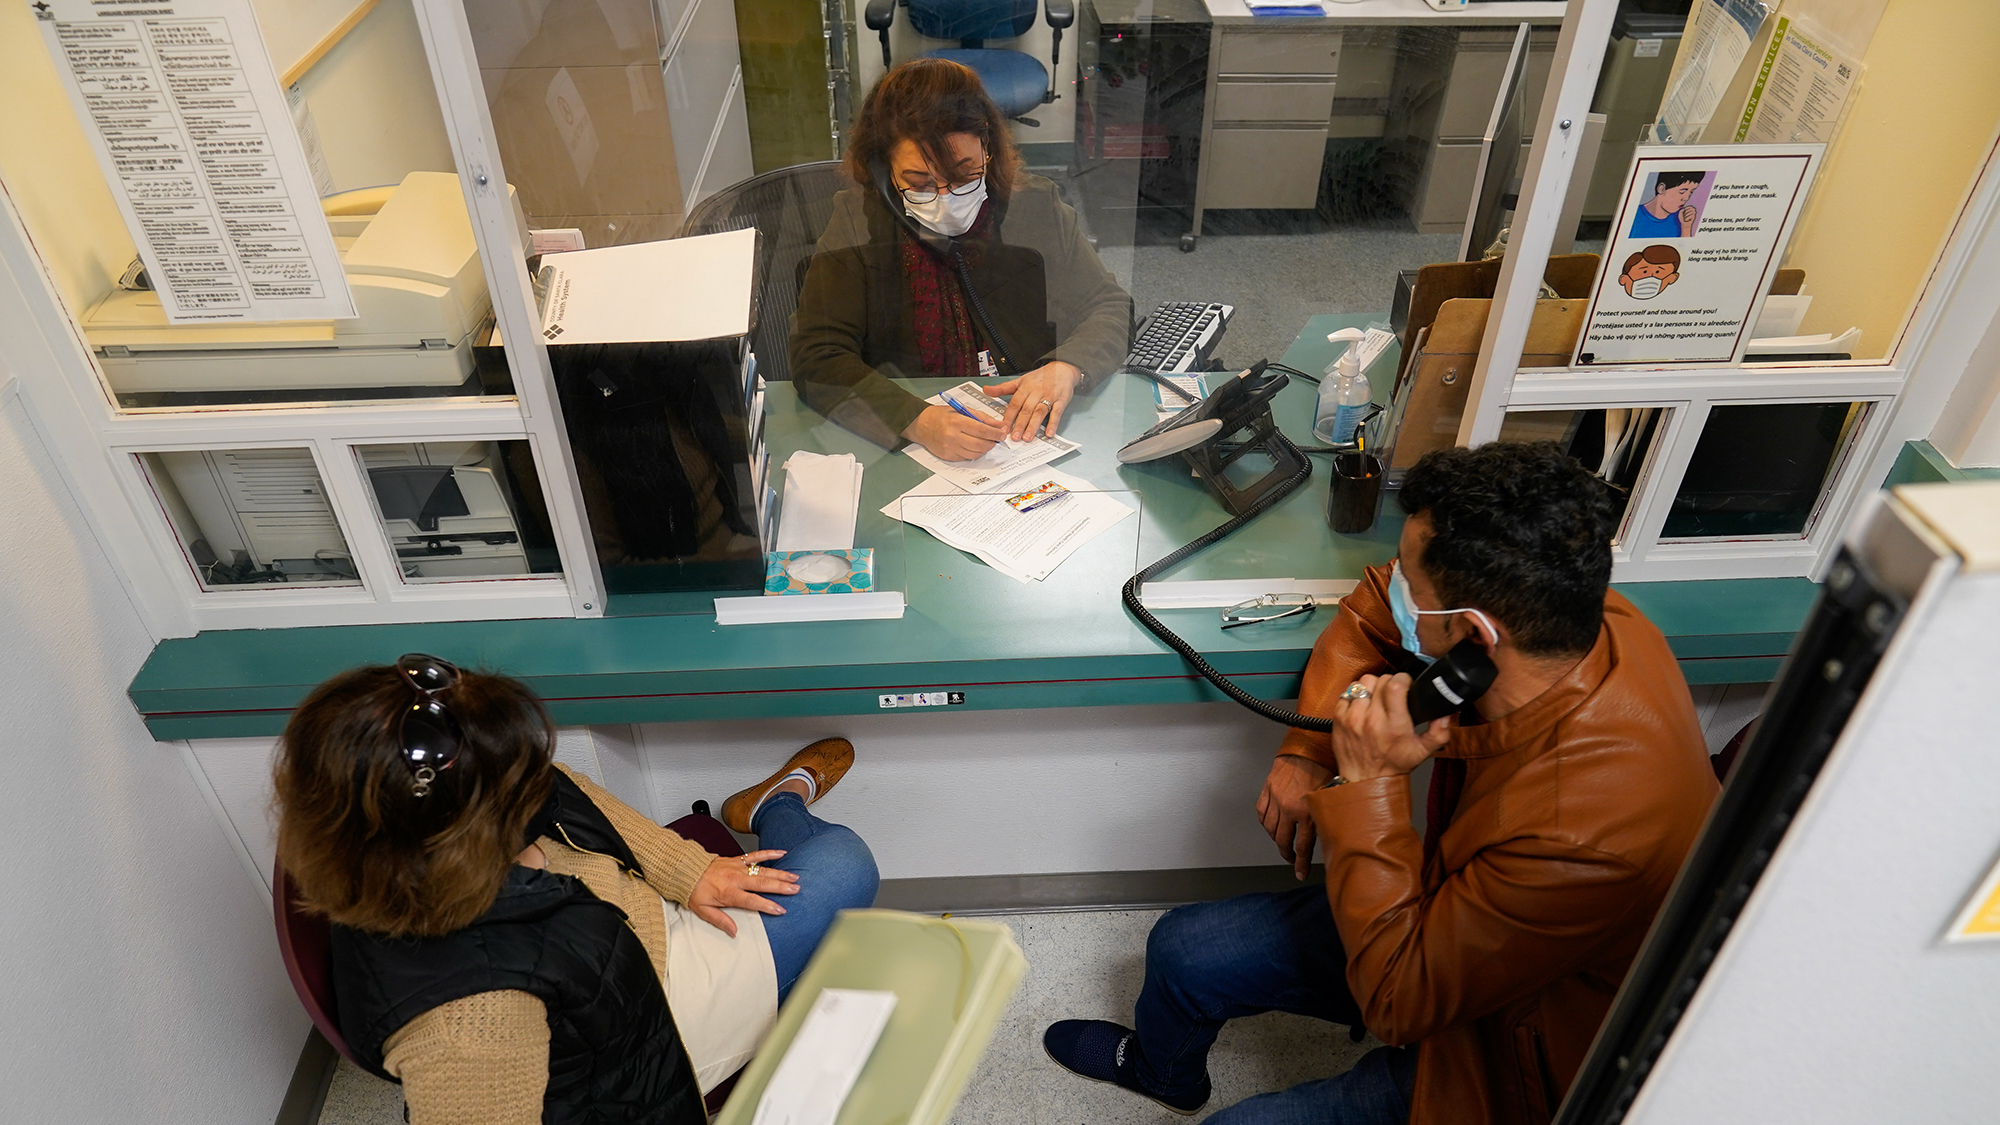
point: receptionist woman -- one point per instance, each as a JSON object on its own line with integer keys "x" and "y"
{"x": 940, "y": 202}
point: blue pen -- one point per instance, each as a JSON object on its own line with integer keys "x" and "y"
{"x": 954, "y": 404}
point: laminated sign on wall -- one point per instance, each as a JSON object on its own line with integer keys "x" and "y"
{"x": 179, "y": 101}
{"x": 1691, "y": 252}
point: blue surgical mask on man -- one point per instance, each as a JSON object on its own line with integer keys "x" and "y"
{"x": 1404, "y": 608}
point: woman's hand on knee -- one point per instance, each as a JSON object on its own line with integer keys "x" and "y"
{"x": 741, "y": 882}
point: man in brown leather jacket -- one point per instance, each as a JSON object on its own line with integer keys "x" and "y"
{"x": 1487, "y": 950}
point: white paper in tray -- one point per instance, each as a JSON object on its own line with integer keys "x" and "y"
{"x": 677, "y": 289}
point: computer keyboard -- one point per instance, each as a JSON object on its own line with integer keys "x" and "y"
{"x": 1179, "y": 336}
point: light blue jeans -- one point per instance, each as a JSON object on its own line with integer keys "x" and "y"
{"x": 836, "y": 872}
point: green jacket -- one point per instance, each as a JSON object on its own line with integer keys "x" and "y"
{"x": 1041, "y": 282}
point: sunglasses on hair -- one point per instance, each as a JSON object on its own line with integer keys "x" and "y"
{"x": 429, "y": 734}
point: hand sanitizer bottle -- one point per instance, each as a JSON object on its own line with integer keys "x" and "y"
{"x": 1344, "y": 393}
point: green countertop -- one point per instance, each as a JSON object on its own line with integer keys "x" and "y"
{"x": 1066, "y": 641}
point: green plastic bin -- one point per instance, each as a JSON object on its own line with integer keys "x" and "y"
{"x": 953, "y": 978}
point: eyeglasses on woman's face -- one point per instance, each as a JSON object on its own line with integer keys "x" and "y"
{"x": 921, "y": 187}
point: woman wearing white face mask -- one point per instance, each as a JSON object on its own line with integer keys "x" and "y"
{"x": 941, "y": 201}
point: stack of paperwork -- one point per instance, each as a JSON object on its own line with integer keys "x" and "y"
{"x": 969, "y": 504}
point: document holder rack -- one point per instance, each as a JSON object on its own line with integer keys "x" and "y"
{"x": 952, "y": 978}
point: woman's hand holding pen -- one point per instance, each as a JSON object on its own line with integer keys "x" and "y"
{"x": 953, "y": 435}
{"x": 1038, "y": 397}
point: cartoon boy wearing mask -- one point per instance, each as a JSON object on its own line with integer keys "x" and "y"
{"x": 1649, "y": 271}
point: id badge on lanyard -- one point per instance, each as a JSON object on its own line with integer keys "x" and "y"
{"x": 987, "y": 368}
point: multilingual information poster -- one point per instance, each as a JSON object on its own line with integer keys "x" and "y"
{"x": 1692, "y": 250}
{"x": 179, "y": 101}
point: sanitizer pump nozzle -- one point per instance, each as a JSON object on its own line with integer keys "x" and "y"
{"x": 1344, "y": 393}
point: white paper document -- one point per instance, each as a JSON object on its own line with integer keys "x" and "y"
{"x": 826, "y": 1058}
{"x": 197, "y": 141}
{"x": 1002, "y": 463}
{"x": 694, "y": 288}
{"x": 822, "y": 497}
{"x": 1800, "y": 89}
{"x": 1718, "y": 36}
{"x": 1025, "y": 546}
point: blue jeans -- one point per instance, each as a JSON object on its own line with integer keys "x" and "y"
{"x": 836, "y": 872}
{"x": 1212, "y": 962}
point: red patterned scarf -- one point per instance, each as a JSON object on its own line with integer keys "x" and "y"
{"x": 946, "y": 341}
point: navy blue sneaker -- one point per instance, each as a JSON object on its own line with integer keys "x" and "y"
{"x": 1105, "y": 1051}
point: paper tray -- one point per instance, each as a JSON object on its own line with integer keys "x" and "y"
{"x": 928, "y": 1052}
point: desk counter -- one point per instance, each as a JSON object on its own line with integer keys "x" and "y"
{"x": 1063, "y": 642}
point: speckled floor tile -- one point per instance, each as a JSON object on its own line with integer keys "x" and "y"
{"x": 357, "y": 1097}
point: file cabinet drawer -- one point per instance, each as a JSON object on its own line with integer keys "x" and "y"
{"x": 1280, "y": 52}
{"x": 1273, "y": 101}
{"x": 1263, "y": 167}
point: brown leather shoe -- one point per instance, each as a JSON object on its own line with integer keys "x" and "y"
{"x": 828, "y": 760}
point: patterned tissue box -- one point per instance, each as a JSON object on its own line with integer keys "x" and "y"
{"x": 820, "y": 572}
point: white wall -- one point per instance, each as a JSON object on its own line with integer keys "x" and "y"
{"x": 142, "y": 979}
{"x": 1834, "y": 1001}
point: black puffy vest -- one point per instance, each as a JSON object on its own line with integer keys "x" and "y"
{"x": 614, "y": 1053}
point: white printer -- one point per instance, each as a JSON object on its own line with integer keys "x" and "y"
{"x": 418, "y": 289}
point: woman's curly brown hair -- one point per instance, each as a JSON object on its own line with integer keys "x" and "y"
{"x": 925, "y": 101}
{"x": 361, "y": 848}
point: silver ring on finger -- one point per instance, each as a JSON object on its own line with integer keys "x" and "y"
{"x": 1355, "y": 691}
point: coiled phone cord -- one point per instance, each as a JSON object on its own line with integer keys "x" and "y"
{"x": 1173, "y": 640}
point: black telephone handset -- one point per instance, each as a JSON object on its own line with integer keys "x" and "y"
{"x": 893, "y": 200}
{"x": 1452, "y": 682}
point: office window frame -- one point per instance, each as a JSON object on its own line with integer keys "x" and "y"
{"x": 95, "y": 441}
{"x": 1905, "y": 391}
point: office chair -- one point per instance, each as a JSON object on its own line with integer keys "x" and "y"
{"x": 790, "y": 208}
{"x": 1015, "y": 81}
{"x": 305, "y": 942}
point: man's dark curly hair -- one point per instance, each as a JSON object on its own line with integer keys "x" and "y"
{"x": 1523, "y": 532}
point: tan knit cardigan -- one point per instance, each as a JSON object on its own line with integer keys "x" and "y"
{"x": 484, "y": 1059}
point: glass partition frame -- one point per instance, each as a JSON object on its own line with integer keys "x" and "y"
{"x": 95, "y": 442}
{"x": 1904, "y": 392}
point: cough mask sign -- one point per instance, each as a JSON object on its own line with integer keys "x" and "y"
{"x": 1692, "y": 252}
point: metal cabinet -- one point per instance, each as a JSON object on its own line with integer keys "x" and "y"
{"x": 1447, "y": 89}
{"x": 1275, "y": 94}
{"x": 1270, "y": 95}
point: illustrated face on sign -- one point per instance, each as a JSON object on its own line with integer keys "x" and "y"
{"x": 1667, "y": 200}
{"x": 1650, "y": 271}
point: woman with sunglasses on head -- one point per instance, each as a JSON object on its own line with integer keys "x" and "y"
{"x": 514, "y": 944}
{"x": 941, "y": 203}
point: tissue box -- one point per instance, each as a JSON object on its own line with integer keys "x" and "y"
{"x": 820, "y": 572}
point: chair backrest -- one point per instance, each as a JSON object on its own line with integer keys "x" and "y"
{"x": 305, "y": 943}
{"x": 965, "y": 20}
{"x": 707, "y": 831}
{"x": 790, "y": 208}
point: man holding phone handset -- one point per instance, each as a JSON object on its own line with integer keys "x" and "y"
{"x": 947, "y": 259}
{"x": 1486, "y": 949}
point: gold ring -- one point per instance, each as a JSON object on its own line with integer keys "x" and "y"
{"x": 1354, "y": 691}
{"x": 754, "y": 869}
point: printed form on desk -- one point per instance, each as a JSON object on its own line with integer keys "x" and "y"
{"x": 1003, "y": 462}
{"x": 1026, "y": 546}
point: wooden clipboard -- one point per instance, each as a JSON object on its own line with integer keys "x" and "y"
{"x": 1441, "y": 372}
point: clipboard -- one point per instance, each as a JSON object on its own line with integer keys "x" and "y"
{"x": 1440, "y": 374}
